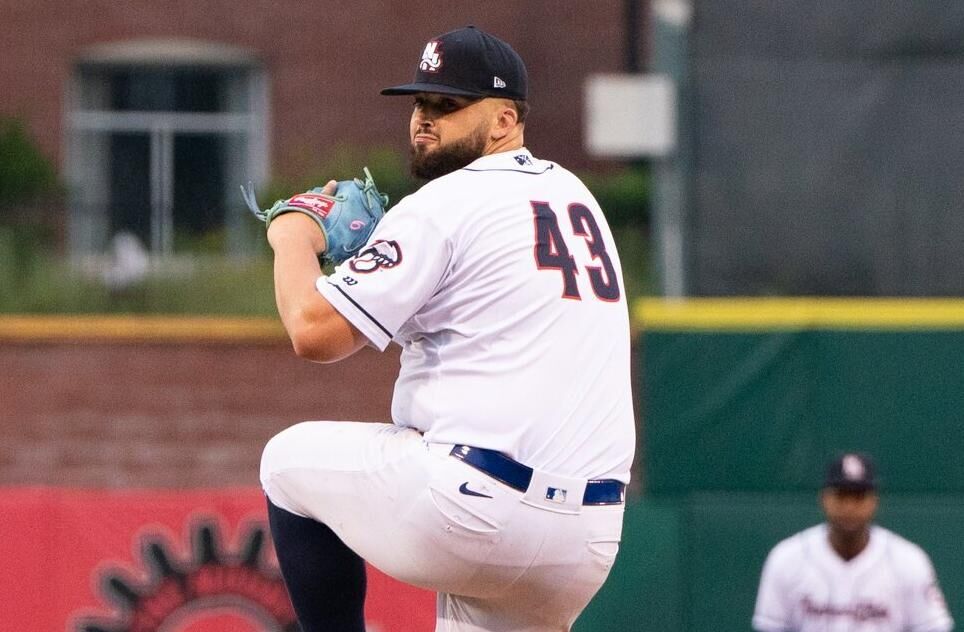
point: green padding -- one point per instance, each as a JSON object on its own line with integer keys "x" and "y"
{"x": 763, "y": 411}
{"x": 727, "y": 537}
{"x": 693, "y": 564}
{"x": 644, "y": 589}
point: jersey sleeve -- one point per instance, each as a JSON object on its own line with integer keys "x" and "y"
{"x": 392, "y": 277}
{"x": 926, "y": 608}
{"x": 772, "y": 613}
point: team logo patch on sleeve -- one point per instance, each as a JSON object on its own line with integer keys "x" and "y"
{"x": 381, "y": 254}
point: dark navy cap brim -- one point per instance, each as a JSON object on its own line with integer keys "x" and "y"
{"x": 415, "y": 88}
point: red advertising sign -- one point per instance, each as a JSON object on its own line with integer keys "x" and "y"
{"x": 150, "y": 561}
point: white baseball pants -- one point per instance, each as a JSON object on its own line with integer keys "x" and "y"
{"x": 497, "y": 562}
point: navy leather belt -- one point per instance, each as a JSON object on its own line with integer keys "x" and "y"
{"x": 604, "y": 491}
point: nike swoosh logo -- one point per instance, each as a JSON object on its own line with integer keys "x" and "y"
{"x": 464, "y": 488}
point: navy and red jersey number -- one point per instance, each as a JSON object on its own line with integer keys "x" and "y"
{"x": 552, "y": 252}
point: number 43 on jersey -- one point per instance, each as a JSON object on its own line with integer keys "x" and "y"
{"x": 552, "y": 253}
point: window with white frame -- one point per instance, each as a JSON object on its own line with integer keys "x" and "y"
{"x": 160, "y": 136}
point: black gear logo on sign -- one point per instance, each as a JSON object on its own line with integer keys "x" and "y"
{"x": 212, "y": 591}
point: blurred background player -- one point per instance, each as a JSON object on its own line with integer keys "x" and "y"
{"x": 500, "y": 485}
{"x": 848, "y": 573}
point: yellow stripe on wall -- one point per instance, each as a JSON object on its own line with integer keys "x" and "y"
{"x": 742, "y": 314}
{"x": 139, "y": 329}
{"x": 649, "y": 314}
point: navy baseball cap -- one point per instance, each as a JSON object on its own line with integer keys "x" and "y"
{"x": 468, "y": 62}
{"x": 852, "y": 471}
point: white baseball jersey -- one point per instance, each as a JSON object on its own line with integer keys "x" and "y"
{"x": 889, "y": 587}
{"x": 502, "y": 284}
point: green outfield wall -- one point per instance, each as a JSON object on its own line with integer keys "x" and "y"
{"x": 692, "y": 564}
{"x": 742, "y": 401}
{"x": 755, "y": 394}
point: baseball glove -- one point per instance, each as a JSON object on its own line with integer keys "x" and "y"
{"x": 347, "y": 218}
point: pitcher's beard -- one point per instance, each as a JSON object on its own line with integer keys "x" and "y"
{"x": 428, "y": 165}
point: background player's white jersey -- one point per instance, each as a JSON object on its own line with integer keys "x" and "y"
{"x": 889, "y": 587}
{"x": 502, "y": 284}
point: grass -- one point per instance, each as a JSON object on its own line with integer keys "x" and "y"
{"x": 35, "y": 282}
{"x": 209, "y": 286}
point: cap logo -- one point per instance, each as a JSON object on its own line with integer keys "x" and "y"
{"x": 497, "y": 82}
{"x": 853, "y": 467}
{"x": 431, "y": 58}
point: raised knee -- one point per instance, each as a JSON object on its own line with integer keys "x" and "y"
{"x": 278, "y": 454}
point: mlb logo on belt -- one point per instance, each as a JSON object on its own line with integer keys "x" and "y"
{"x": 556, "y": 494}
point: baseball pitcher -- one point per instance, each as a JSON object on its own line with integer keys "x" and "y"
{"x": 500, "y": 482}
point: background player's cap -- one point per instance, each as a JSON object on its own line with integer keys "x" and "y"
{"x": 852, "y": 471}
{"x": 468, "y": 62}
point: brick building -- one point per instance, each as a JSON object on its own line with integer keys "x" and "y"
{"x": 155, "y": 112}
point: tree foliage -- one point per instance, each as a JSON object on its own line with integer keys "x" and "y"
{"x": 25, "y": 173}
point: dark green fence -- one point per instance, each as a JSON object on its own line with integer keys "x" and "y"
{"x": 826, "y": 148}
{"x": 757, "y": 395}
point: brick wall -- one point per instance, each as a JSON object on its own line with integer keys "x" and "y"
{"x": 181, "y": 415}
{"x": 168, "y": 415}
{"x": 326, "y": 60}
